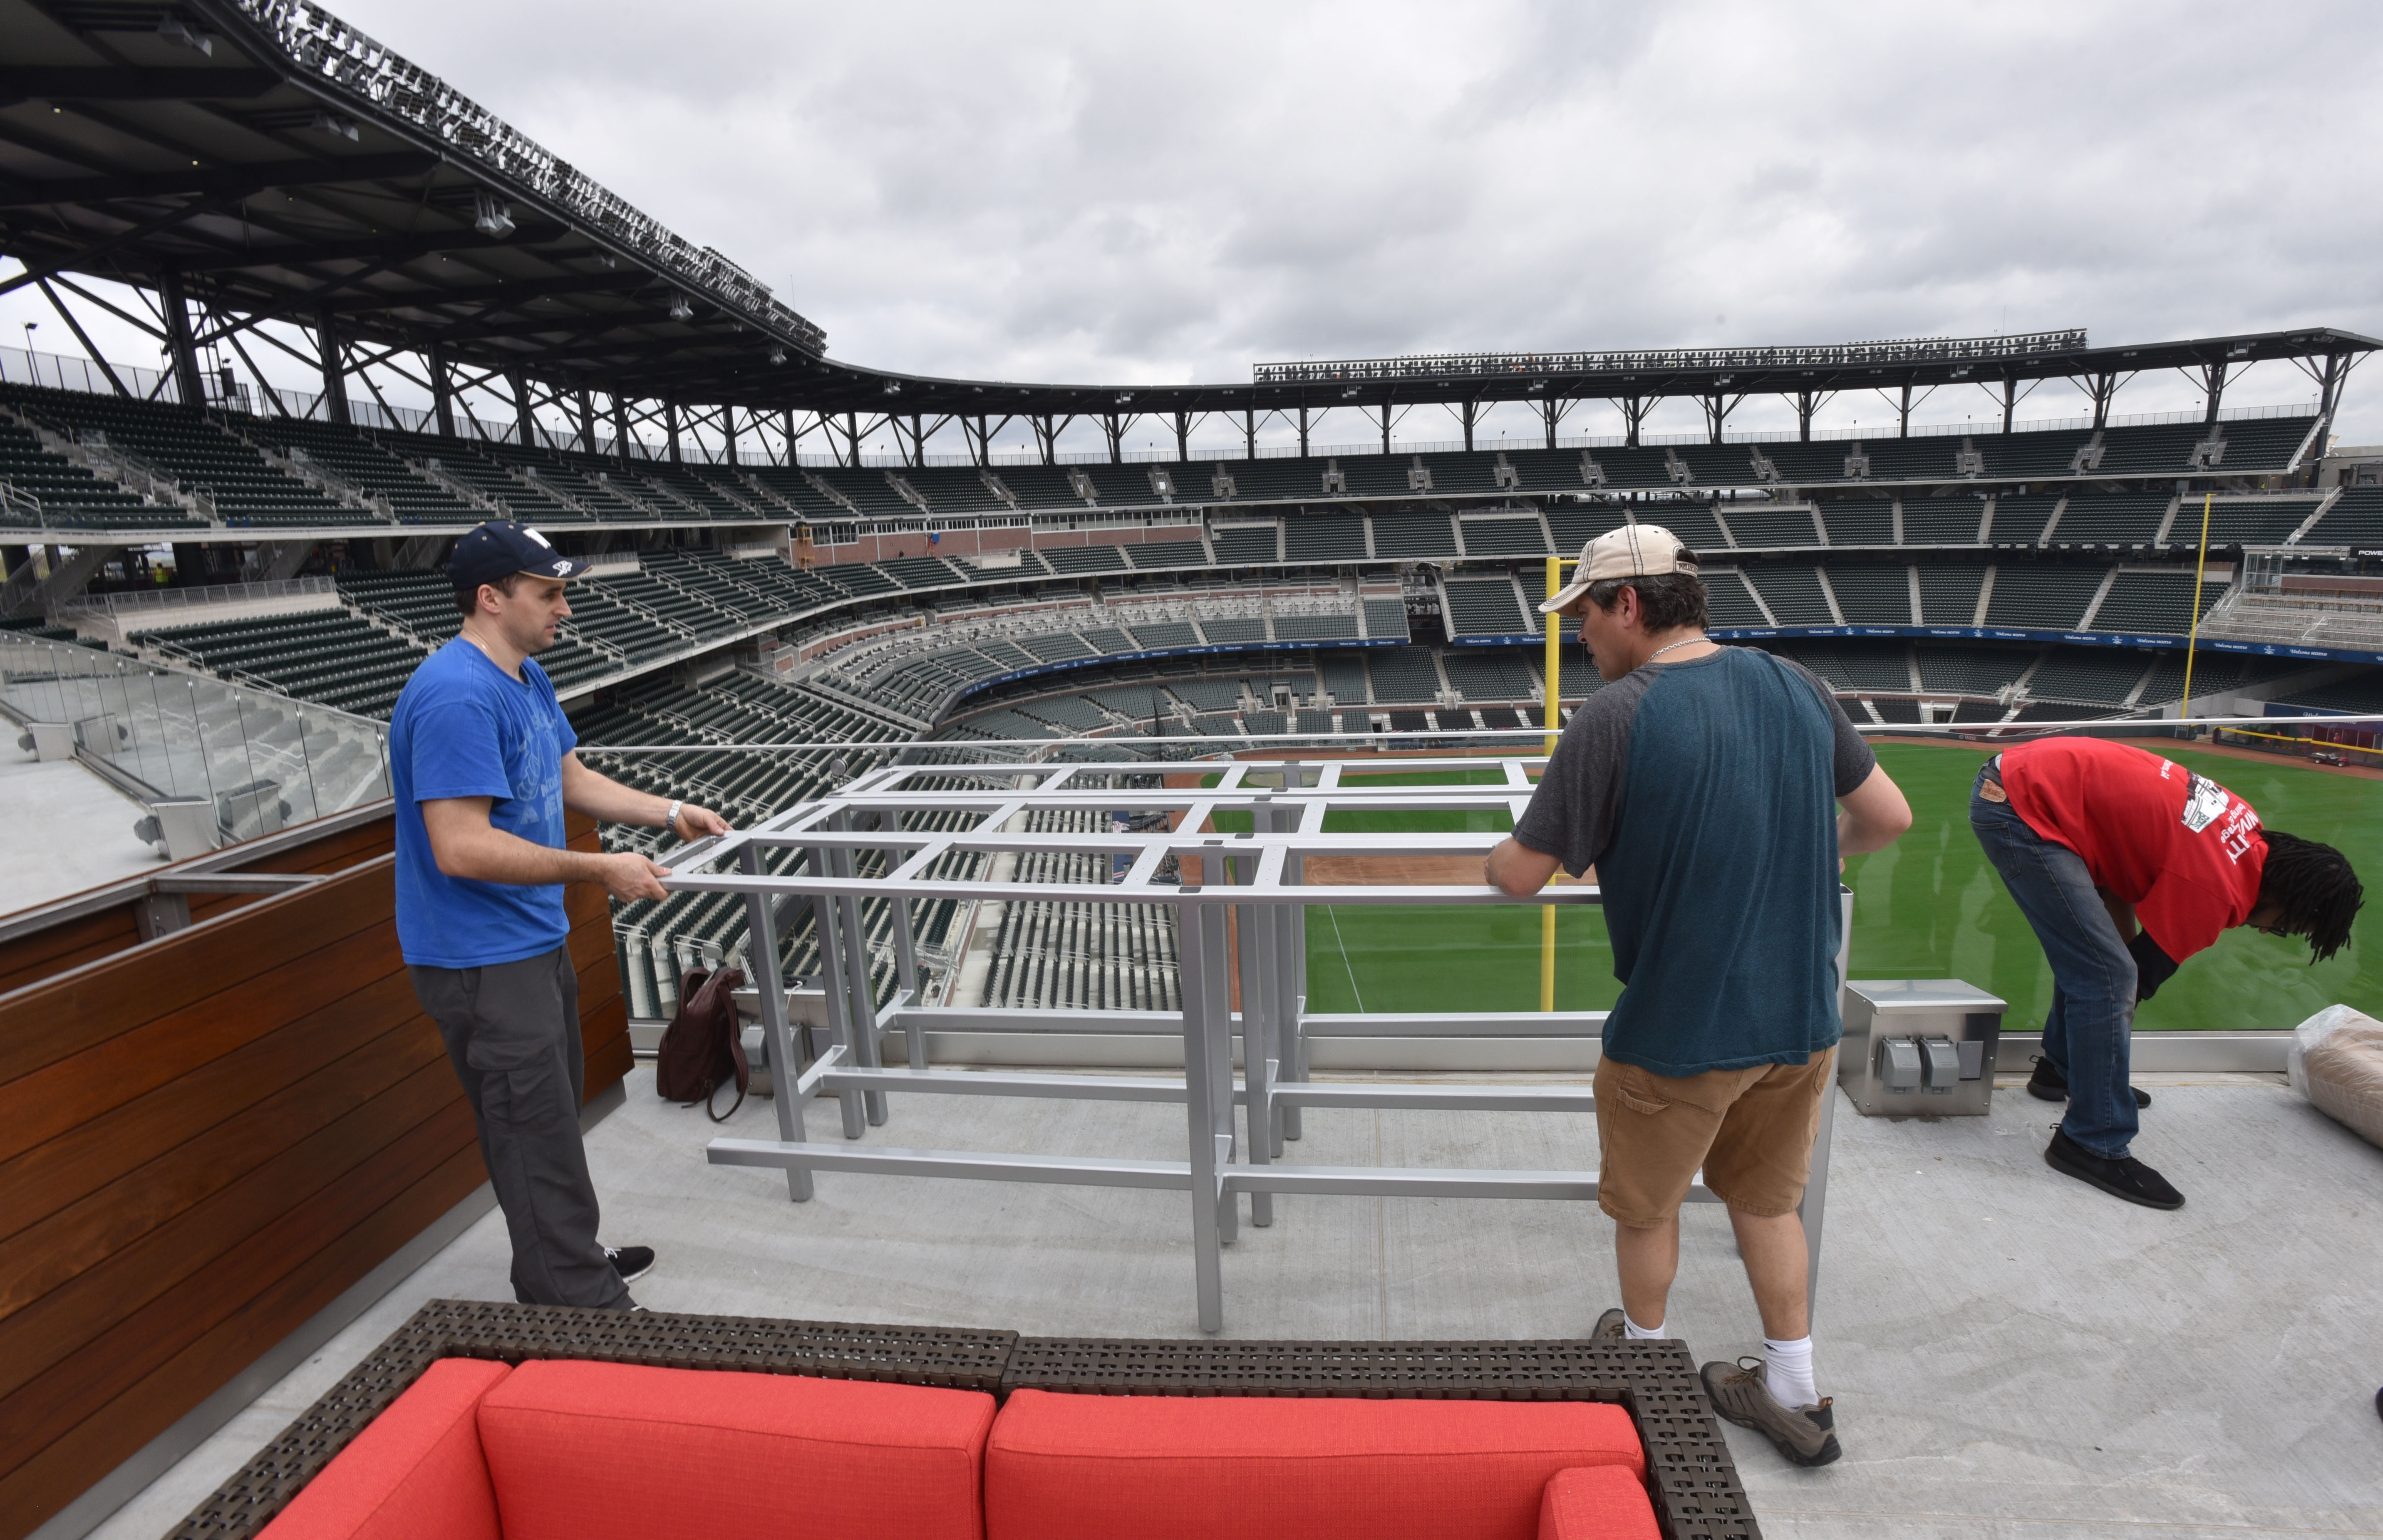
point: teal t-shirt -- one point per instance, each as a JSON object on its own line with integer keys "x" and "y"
{"x": 1704, "y": 793}
{"x": 464, "y": 727}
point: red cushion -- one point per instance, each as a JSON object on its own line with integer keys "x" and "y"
{"x": 1597, "y": 1502}
{"x": 415, "y": 1471}
{"x": 1096, "y": 1467}
{"x": 613, "y": 1451}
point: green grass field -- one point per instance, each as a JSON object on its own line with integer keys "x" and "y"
{"x": 1927, "y": 908}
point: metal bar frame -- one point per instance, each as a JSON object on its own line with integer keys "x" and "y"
{"x": 1240, "y": 906}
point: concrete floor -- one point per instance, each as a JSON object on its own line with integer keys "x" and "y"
{"x": 68, "y": 830}
{"x": 2012, "y": 1354}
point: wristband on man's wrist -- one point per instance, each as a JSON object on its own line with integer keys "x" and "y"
{"x": 670, "y": 819}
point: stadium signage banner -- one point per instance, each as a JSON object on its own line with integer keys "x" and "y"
{"x": 1987, "y": 633}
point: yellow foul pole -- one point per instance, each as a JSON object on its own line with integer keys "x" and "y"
{"x": 2192, "y": 634}
{"x": 1550, "y": 722}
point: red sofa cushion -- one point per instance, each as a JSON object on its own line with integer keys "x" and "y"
{"x": 1597, "y": 1502}
{"x": 611, "y": 1451}
{"x": 1157, "y": 1467}
{"x": 415, "y": 1471}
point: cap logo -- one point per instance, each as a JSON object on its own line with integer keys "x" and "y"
{"x": 561, "y": 568}
{"x": 539, "y": 538}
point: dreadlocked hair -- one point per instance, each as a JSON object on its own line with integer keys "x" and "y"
{"x": 2320, "y": 893}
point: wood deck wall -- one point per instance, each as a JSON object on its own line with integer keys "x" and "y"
{"x": 206, "y": 1138}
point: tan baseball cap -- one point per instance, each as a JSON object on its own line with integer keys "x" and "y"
{"x": 1633, "y": 550}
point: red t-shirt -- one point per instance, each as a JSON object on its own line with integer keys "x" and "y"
{"x": 2182, "y": 849}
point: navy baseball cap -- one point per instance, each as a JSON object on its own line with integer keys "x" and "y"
{"x": 499, "y": 549}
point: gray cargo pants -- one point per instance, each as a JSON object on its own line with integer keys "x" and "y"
{"x": 512, "y": 1034}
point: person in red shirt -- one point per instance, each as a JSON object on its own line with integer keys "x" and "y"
{"x": 2126, "y": 864}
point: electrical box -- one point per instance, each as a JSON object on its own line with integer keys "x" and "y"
{"x": 806, "y": 1019}
{"x": 1919, "y": 1047}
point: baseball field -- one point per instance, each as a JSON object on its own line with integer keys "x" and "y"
{"x": 1928, "y": 906}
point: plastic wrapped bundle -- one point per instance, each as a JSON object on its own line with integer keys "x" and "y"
{"x": 2337, "y": 1062}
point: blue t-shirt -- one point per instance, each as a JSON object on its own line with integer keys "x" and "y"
{"x": 464, "y": 727}
{"x": 1704, "y": 793}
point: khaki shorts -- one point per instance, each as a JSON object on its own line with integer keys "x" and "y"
{"x": 1750, "y": 1130}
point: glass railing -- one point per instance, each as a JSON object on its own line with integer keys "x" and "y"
{"x": 1928, "y": 906}
{"x": 263, "y": 760}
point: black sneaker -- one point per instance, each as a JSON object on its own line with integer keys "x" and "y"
{"x": 2048, "y": 1084}
{"x": 631, "y": 1262}
{"x": 2125, "y": 1178}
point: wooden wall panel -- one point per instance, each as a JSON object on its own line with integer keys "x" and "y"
{"x": 45, "y": 953}
{"x": 206, "y": 1138}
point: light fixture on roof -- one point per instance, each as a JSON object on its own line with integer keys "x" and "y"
{"x": 490, "y": 215}
{"x": 338, "y": 125}
{"x": 893, "y": 387}
{"x": 2237, "y": 349}
{"x": 173, "y": 29}
{"x": 1349, "y": 393}
{"x": 679, "y": 310}
{"x": 777, "y": 353}
{"x": 1123, "y": 397}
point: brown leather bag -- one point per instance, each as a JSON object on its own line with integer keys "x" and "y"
{"x": 703, "y": 1047}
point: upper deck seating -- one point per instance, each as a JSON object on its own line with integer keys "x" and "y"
{"x": 1794, "y": 594}
{"x": 2041, "y": 598}
{"x": 1775, "y": 526}
{"x": 1948, "y": 592}
{"x": 2094, "y": 517}
{"x": 1857, "y": 521}
{"x": 1871, "y": 595}
{"x": 1485, "y": 606}
{"x": 1950, "y": 520}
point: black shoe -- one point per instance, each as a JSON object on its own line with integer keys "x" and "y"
{"x": 2125, "y": 1178}
{"x": 631, "y": 1262}
{"x": 2048, "y": 1084}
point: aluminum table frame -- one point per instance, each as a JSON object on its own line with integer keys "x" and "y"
{"x": 1256, "y": 878}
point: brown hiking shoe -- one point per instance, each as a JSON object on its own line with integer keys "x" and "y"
{"x": 1803, "y": 1433}
{"x": 1609, "y": 1328}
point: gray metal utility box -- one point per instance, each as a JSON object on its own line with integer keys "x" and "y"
{"x": 1919, "y": 1047}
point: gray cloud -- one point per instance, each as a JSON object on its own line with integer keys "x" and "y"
{"x": 1167, "y": 194}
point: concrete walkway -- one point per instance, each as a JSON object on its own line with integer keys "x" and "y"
{"x": 68, "y": 830}
{"x": 2012, "y": 1354}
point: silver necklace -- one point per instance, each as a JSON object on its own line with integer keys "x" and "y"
{"x": 1689, "y": 643}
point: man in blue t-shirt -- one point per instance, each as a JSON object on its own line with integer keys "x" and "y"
{"x": 482, "y": 762}
{"x": 1714, "y": 791}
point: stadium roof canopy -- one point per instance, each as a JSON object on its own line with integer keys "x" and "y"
{"x": 267, "y": 162}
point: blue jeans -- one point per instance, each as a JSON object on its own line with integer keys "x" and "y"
{"x": 2086, "y": 1033}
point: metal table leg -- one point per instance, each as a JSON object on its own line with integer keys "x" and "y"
{"x": 1200, "y": 941}
{"x": 837, "y": 998}
{"x": 785, "y": 1066}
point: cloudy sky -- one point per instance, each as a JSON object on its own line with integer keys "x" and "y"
{"x": 1162, "y": 194}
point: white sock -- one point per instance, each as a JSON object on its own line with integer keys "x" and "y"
{"x": 1633, "y": 1332}
{"x": 1788, "y": 1372}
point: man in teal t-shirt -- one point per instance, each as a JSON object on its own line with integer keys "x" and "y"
{"x": 482, "y": 764}
{"x": 1703, "y": 784}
